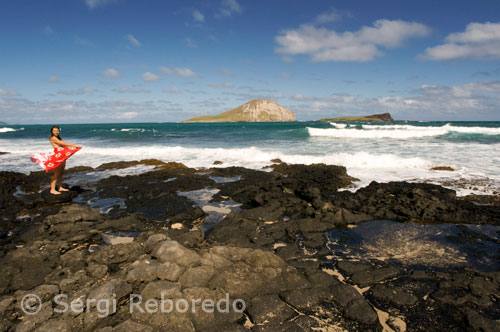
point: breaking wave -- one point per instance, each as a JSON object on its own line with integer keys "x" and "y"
{"x": 399, "y": 131}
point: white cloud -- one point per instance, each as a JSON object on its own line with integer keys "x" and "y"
{"x": 133, "y": 41}
{"x": 127, "y": 115}
{"x": 53, "y": 79}
{"x": 493, "y": 87}
{"x": 198, "y": 16}
{"x": 8, "y": 93}
{"x": 98, "y": 3}
{"x": 472, "y": 101}
{"x": 79, "y": 92}
{"x": 478, "y": 41}
{"x": 228, "y": 8}
{"x": 111, "y": 73}
{"x": 182, "y": 72}
{"x": 328, "y": 17}
{"x": 131, "y": 90}
{"x": 476, "y": 33}
{"x": 21, "y": 110}
{"x": 63, "y": 111}
{"x": 360, "y": 46}
{"x": 150, "y": 77}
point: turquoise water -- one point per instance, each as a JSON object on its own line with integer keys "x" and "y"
{"x": 382, "y": 151}
{"x": 229, "y": 134}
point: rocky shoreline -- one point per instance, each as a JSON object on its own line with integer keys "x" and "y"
{"x": 264, "y": 242}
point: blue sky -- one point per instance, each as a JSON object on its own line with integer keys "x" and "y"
{"x": 95, "y": 61}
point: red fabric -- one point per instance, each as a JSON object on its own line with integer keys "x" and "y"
{"x": 50, "y": 161}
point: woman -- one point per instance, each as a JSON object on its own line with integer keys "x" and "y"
{"x": 56, "y": 160}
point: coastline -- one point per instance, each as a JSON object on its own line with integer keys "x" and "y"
{"x": 298, "y": 251}
{"x": 370, "y": 152}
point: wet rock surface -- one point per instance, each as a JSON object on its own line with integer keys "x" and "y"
{"x": 271, "y": 260}
{"x": 402, "y": 201}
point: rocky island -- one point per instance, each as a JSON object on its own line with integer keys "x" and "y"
{"x": 288, "y": 246}
{"x": 257, "y": 110}
{"x": 384, "y": 117}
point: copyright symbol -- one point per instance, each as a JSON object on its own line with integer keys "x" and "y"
{"x": 31, "y": 304}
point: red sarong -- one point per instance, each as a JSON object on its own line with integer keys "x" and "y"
{"x": 50, "y": 161}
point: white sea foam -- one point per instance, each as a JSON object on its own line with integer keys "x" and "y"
{"x": 362, "y": 165}
{"x": 7, "y": 130}
{"x": 367, "y": 160}
{"x": 253, "y": 157}
{"x": 338, "y": 125}
{"x": 397, "y": 131}
{"x": 473, "y": 130}
{"x": 379, "y": 133}
{"x": 449, "y": 127}
{"x": 133, "y": 129}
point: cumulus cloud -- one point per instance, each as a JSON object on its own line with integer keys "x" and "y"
{"x": 198, "y": 16}
{"x": 493, "y": 87}
{"x": 8, "y": 93}
{"x": 182, "y": 72}
{"x": 470, "y": 101}
{"x": 150, "y": 77}
{"x": 79, "y": 92}
{"x": 362, "y": 45}
{"x": 21, "y": 110}
{"x": 478, "y": 41}
{"x": 133, "y": 41}
{"x": 111, "y": 73}
{"x": 228, "y": 8}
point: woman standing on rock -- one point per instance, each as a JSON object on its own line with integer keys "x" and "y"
{"x": 56, "y": 160}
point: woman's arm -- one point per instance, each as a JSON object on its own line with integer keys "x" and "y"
{"x": 63, "y": 143}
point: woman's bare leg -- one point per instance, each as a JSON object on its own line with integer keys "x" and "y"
{"x": 53, "y": 181}
{"x": 59, "y": 178}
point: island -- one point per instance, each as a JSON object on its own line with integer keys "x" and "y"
{"x": 257, "y": 110}
{"x": 384, "y": 117}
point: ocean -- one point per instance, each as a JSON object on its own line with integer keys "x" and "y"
{"x": 371, "y": 152}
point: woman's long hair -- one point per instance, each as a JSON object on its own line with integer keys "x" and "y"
{"x": 52, "y": 134}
